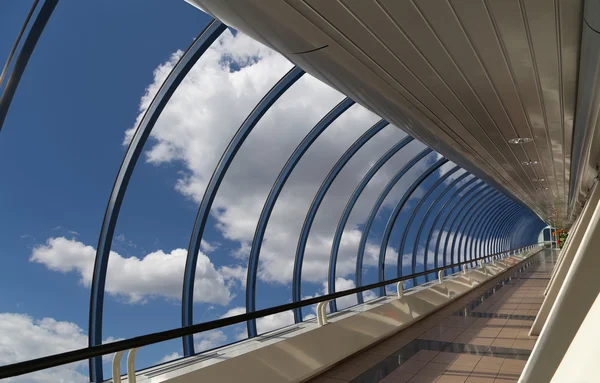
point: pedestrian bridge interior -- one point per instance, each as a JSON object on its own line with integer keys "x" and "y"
{"x": 492, "y": 107}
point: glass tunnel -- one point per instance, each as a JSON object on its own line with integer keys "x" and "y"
{"x": 364, "y": 204}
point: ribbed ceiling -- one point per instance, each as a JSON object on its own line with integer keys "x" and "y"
{"x": 464, "y": 76}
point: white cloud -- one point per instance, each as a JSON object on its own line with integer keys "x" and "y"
{"x": 207, "y": 247}
{"x": 209, "y": 340}
{"x": 23, "y": 337}
{"x": 237, "y": 273}
{"x": 157, "y": 274}
{"x": 170, "y": 357}
{"x": 207, "y": 109}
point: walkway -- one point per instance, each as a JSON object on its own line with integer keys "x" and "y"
{"x": 480, "y": 338}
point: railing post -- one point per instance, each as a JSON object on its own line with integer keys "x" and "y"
{"x": 131, "y": 365}
{"x": 322, "y": 313}
{"x": 116, "y": 367}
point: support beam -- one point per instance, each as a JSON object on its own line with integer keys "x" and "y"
{"x": 567, "y": 259}
{"x": 576, "y": 296}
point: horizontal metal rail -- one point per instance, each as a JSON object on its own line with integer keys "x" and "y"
{"x": 38, "y": 364}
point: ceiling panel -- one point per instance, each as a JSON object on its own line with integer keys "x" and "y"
{"x": 464, "y": 76}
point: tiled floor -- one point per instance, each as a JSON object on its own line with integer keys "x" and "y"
{"x": 482, "y": 337}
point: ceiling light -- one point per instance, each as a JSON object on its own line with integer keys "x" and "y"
{"x": 526, "y": 163}
{"x": 538, "y": 179}
{"x": 520, "y": 140}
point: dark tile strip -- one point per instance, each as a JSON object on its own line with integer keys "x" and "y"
{"x": 389, "y": 364}
{"x": 494, "y": 315}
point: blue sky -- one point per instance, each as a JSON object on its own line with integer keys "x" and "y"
{"x": 90, "y": 78}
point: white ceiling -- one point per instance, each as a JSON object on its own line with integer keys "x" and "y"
{"x": 463, "y": 76}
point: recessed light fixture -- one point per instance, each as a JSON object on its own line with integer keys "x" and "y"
{"x": 538, "y": 179}
{"x": 520, "y": 140}
{"x": 526, "y": 163}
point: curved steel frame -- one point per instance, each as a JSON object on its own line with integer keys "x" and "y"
{"x": 511, "y": 217}
{"x": 416, "y": 209}
{"x": 497, "y": 228}
{"x": 398, "y": 210}
{"x": 27, "y": 48}
{"x": 490, "y": 225}
{"x": 474, "y": 229}
{"x": 183, "y": 66}
{"x": 261, "y": 226}
{"x": 472, "y": 193}
{"x": 211, "y": 191}
{"x": 487, "y": 227}
{"x": 466, "y": 223}
{"x": 426, "y": 217}
{"x": 373, "y": 213}
{"x": 479, "y": 234}
{"x": 503, "y": 219}
{"x": 459, "y": 219}
{"x": 471, "y": 184}
{"x": 337, "y": 237}
{"x": 507, "y": 230}
{"x": 316, "y": 203}
{"x": 394, "y": 216}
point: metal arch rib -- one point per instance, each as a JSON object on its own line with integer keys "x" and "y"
{"x": 480, "y": 186}
{"x": 439, "y": 215}
{"x": 489, "y": 235}
{"x": 472, "y": 202}
{"x": 417, "y": 207}
{"x": 518, "y": 213}
{"x": 371, "y": 217}
{"x": 394, "y": 216}
{"x": 24, "y": 55}
{"x": 454, "y": 232}
{"x": 483, "y": 232}
{"x": 212, "y": 188}
{"x": 517, "y": 233}
{"x": 426, "y": 217}
{"x": 11, "y": 54}
{"x": 178, "y": 73}
{"x": 314, "y": 207}
{"x": 490, "y": 226}
{"x": 466, "y": 235}
{"x": 481, "y": 228}
{"x": 272, "y": 198}
{"x": 494, "y": 245}
{"x": 466, "y": 220}
{"x": 509, "y": 216}
{"x": 337, "y": 237}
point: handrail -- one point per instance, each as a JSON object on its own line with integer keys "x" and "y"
{"x": 55, "y": 360}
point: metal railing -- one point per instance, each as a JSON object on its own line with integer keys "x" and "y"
{"x": 56, "y": 360}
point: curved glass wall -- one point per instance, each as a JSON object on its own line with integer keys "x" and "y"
{"x": 297, "y": 192}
